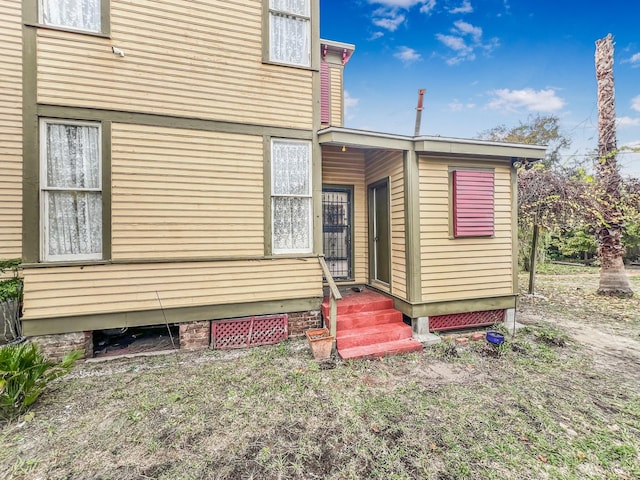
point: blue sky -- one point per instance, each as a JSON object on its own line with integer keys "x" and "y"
{"x": 485, "y": 63}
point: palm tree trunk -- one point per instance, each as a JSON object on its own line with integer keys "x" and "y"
{"x": 613, "y": 278}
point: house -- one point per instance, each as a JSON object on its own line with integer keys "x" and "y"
{"x": 186, "y": 162}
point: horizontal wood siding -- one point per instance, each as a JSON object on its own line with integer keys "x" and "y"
{"x": 68, "y": 291}
{"x": 193, "y": 59}
{"x": 347, "y": 168}
{"x": 337, "y": 96}
{"x": 387, "y": 163}
{"x": 462, "y": 268}
{"x": 183, "y": 193}
{"x": 11, "y": 129}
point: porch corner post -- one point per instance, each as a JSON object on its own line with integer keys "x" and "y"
{"x": 412, "y": 226}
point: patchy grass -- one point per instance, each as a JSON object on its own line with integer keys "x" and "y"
{"x": 537, "y": 407}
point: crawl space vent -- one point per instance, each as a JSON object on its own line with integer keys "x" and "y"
{"x": 248, "y": 331}
{"x": 464, "y": 320}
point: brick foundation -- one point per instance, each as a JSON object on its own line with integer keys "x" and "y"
{"x": 57, "y": 346}
{"x": 301, "y": 321}
{"x": 195, "y": 335}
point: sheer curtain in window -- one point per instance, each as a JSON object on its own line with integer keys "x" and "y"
{"x": 73, "y": 191}
{"x": 290, "y": 32}
{"x": 291, "y": 202}
{"x": 78, "y": 14}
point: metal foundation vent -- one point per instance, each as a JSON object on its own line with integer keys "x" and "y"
{"x": 465, "y": 320}
{"x": 249, "y": 331}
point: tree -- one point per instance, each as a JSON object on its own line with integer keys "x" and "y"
{"x": 610, "y": 224}
{"x": 537, "y": 130}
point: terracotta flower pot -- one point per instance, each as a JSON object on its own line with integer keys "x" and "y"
{"x": 321, "y": 342}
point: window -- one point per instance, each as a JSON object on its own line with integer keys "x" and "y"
{"x": 473, "y": 203}
{"x": 71, "y": 190}
{"x": 291, "y": 205}
{"x": 290, "y": 32}
{"x": 76, "y": 14}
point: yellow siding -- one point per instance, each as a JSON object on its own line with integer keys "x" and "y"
{"x": 194, "y": 59}
{"x": 183, "y": 193}
{"x": 347, "y": 168}
{"x": 387, "y": 163}
{"x": 11, "y": 129}
{"x": 337, "y": 95}
{"x": 67, "y": 291}
{"x": 465, "y": 267}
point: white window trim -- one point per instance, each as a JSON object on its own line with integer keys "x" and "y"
{"x": 67, "y": 27}
{"x": 44, "y": 204}
{"x": 285, "y": 251}
{"x": 307, "y": 18}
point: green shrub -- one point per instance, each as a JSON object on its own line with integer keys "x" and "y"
{"x": 24, "y": 374}
{"x": 10, "y": 288}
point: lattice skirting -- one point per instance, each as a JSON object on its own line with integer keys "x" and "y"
{"x": 248, "y": 331}
{"x": 454, "y": 321}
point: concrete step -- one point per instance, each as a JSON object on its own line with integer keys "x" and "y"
{"x": 375, "y": 334}
{"x": 381, "y": 349}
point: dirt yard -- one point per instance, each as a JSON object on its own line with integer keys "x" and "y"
{"x": 561, "y": 400}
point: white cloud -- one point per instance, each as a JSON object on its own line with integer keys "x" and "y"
{"x": 407, "y": 55}
{"x": 468, "y": 29}
{"x": 464, "y": 8}
{"x": 635, "y": 103}
{"x": 428, "y": 6}
{"x": 634, "y": 60}
{"x": 529, "y": 99}
{"x": 625, "y": 122}
{"x": 390, "y": 22}
{"x": 458, "y": 106}
{"x": 376, "y": 35}
{"x": 390, "y": 13}
{"x": 465, "y": 38}
{"x": 349, "y": 104}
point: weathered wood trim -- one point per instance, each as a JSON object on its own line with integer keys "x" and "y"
{"x": 382, "y": 181}
{"x": 412, "y": 226}
{"x": 514, "y": 228}
{"x": 266, "y": 176}
{"x": 316, "y": 192}
{"x": 140, "y": 261}
{"x": 457, "y": 146}
{"x": 106, "y": 190}
{"x": 47, "y": 326}
{"x": 415, "y": 310}
{"x": 30, "y": 135}
{"x": 170, "y": 121}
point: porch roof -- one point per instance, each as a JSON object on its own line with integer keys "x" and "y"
{"x": 429, "y": 144}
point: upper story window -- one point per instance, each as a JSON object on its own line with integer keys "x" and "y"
{"x": 74, "y": 14}
{"x": 71, "y": 190}
{"x": 290, "y": 32}
{"x": 291, "y": 200}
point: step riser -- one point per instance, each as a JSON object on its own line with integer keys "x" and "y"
{"x": 401, "y": 332}
{"x": 344, "y": 309}
{"x": 357, "y": 353}
{"x": 357, "y": 320}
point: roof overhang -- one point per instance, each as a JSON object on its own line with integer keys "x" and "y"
{"x": 430, "y": 145}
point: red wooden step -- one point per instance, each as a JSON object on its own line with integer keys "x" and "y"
{"x": 365, "y": 319}
{"x": 357, "y": 337}
{"x": 365, "y": 301}
{"x": 381, "y": 349}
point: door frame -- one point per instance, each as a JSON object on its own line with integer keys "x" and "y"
{"x": 350, "y": 190}
{"x": 372, "y": 227}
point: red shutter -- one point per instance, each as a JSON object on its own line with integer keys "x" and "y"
{"x": 324, "y": 93}
{"x": 473, "y": 203}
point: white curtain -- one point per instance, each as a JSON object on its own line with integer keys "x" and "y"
{"x": 78, "y": 14}
{"x": 291, "y": 190}
{"x": 74, "y": 199}
{"x": 289, "y": 32}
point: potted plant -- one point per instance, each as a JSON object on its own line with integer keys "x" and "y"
{"x": 10, "y": 302}
{"x": 321, "y": 342}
